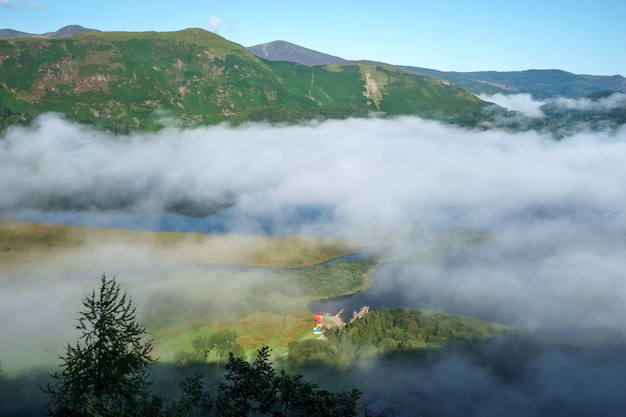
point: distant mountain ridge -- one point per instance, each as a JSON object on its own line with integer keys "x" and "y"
{"x": 539, "y": 83}
{"x": 612, "y": 82}
{"x": 68, "y": 30}
{"x": 286, "y": 51}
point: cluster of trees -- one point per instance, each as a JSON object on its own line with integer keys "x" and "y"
{"x": 10, "y": 117}
{"x": 105, "y": 373}
{"x": 221, "y": 343}
{"x": 405, "y": 329}
{"x": 387, "y": 331}
{"x": 314, "y": 352}
{"x": 333, "y": 279}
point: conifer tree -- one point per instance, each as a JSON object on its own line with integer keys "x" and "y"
{"x": 105, "y": 372}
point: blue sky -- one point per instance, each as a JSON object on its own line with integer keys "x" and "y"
{"x": 577, "y": 36}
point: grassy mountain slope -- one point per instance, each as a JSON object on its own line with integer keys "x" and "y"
{"x": 132, "y": 80}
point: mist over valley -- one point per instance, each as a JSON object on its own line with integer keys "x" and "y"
{"x": 549, "y": 214}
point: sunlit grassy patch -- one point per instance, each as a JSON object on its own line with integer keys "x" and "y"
{"x": 253, "y": 331}
{"x": 258, "y": 328}
{"x": 183, "y": 342}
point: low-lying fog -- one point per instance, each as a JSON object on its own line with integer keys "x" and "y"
{"x": 557, "y": 209}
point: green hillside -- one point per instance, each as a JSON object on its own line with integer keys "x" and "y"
{"x": 133, "y": 80}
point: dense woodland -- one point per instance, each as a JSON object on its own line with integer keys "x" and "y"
{"x": 384, "y": 332}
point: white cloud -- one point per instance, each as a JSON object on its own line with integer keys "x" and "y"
{"x": 10, "y": 3}
{"x": 13, "y": 4}
{"x": 215, "y": 23}
{"x": 38, "y": 5}
{"x": 616, "y": 100}
{"x": 527, "y": 106}
{"x": 523, "y": 103}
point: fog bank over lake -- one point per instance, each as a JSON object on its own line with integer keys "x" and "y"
{"x": 556, "y": 209}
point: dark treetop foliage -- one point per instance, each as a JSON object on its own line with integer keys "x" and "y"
{"x": 105, "y": 373}
{"x": 256, "y": 389}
